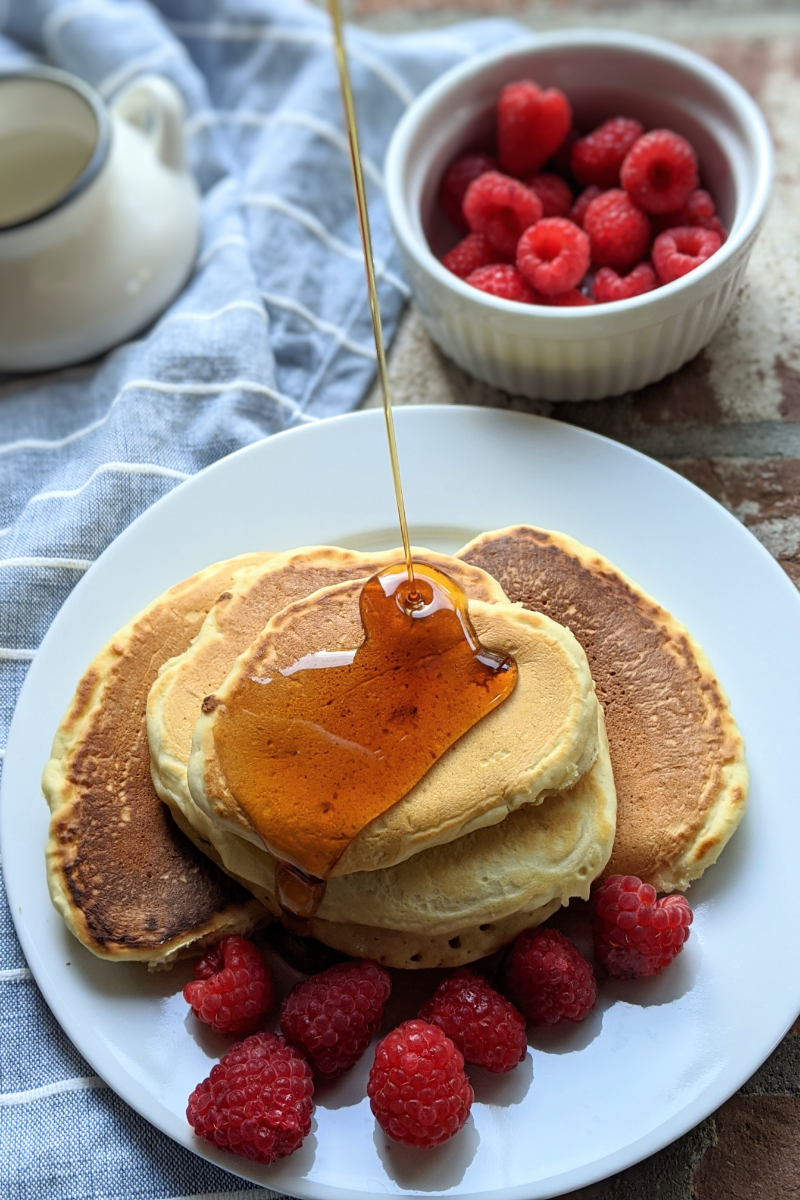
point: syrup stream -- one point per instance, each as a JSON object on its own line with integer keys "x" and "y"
{"x": 412, "y": 598}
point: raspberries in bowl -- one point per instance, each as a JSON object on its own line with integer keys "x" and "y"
{"x": 531, "y": 323}
{"x": 557, "y": 218}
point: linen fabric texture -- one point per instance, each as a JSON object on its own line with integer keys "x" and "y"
{"x": 272, "y": 330}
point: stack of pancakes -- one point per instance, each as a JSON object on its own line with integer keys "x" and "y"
{"x": 517, "y": 817}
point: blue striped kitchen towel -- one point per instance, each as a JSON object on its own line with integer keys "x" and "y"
{"x": 271, "y": 330}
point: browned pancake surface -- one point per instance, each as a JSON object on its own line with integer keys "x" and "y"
{"x": 676, "y": 753}
{"x": 127, "y": 881}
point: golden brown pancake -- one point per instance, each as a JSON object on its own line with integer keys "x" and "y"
{"x": 256, "y": 594}
{"x": 677, "y": 754}
{"x": 541, "y": 739}
{"x": 127, "y": 882}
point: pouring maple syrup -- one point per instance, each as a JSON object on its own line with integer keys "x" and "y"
{"x": 331, "y": 744}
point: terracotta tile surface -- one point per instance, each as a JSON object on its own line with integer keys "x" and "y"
{"x": 730, "y": 422}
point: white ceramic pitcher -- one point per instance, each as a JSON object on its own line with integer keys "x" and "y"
{"x": 99, "y": 217}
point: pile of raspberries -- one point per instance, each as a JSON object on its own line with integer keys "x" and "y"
{"x": 258, "y": 1099}
{"x": 558, "y": 219}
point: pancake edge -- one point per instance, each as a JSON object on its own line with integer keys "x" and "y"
{"x": 63, "y": 799}
{"x": 726, "y": 810}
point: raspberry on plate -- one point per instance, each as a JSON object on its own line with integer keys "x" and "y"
{"x": 531, "y": 125}
{"x": 334, "y": 1016}
{"x": 597, "y": 158}
{"x": 455, "y": 181}
{"x": 678, "y": 251}
{"x": 660, "y": 171}
{"x": 232, "y": 987}
{"x": 503, "y": 280}
{"x": 619, "y": 232}
{"x": 502, "y": 209}
{"x": 578, "y": 210}
{"x": 554, "y": 193}
{"x": 636, "y": 935}
{"x": 608, "y": 285}
{"x": 548, "y": 979}
{"x": 417, "y": 1088}
{"x": 485, "y": 1027}
{"x": 257, "y": 1101}
{"x": 474, "y": 251}
{"x": 553, "y": 255}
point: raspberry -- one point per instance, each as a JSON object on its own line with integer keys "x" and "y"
{"x": 608, "y": 285}
{"x": 231, "y": 988}
{"x": 554, "y": 193}
{"x": 485, "y": 1027}
{"x": 333, "y": 1016}
{"x": 598, "y": 157}
{"x": 257, "y": 1101}
{"x": 473, "y": 252}
{"x": 678, "y": 251}
{"x": 455, "y": 181}
{"x": 553, "y": 255}
{"x": 531, "y": 125}
{"x": 618, "y": 231}
{"x": 501, "y": 208}
{"x": 578, "y": 211}
{"x": 504, "y": 281}
{"x": 548, "y": 979}
{"x": 635, "y": 934}
{"x": 699, "y": 209}
{"x": 660, "y": 171}
{"x": 417, "y": 1088}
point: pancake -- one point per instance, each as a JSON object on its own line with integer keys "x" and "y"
{"x": 414, "y": 951}
{"x": 127, "y": 882}
{"x": 537, "y": 854}
{"x": 256, "y": 594}
{"x": 677, "y": 754}
{"x": 543, "y": 738}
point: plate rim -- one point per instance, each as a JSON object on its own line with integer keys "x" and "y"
{"x": 131, "y": 1091}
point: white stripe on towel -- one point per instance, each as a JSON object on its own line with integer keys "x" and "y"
{"x": 155, "y": 385}
{"x": 300, "y": 310}
{"x": 315, "y": 227}
{"x": 332, "y": 135}
{"x": 63, "y": 564}
{"x": 229, "y": 239}
{"x": 222, "y": 31}
{"x": 79, "y": 1084}
{"x": 245, "y": 305}
{"x": 14, "y": 974}
{"x": 121, "y": 468}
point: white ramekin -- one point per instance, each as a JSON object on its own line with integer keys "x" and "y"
{"x": 580, "y": 353}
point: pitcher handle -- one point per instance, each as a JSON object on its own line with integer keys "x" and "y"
{"x": 155, "y": 106}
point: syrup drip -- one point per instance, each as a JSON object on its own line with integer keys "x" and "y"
{"x": 329, "y": 745}
{"x": 369, "y": 263}
{"x": 317, "y": 751}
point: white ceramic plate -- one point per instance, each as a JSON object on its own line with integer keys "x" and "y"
{"x": 664, "y": 1052}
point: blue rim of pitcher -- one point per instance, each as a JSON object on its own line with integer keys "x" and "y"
{"x": 101, "y": 146}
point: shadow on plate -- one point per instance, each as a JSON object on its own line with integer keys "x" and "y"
{"x": 349, "y": 1089}
{"x": 568, "y": 1037}
{"x": 505, "y": 1090}
{"x": 436, "y": 1170}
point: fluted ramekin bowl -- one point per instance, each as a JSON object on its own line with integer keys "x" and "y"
{"x": 604, "y": 350}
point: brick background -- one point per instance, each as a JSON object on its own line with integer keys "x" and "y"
{"x": 730, "y": 422}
